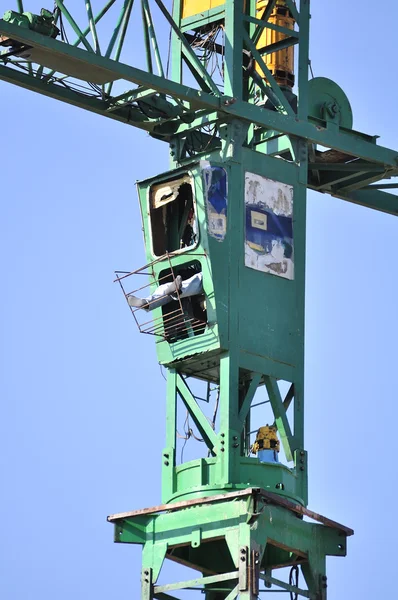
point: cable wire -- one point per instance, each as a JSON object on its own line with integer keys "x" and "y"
{"x": 294, "y": 580}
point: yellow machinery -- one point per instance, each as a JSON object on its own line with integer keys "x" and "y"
{"x": 266, "y": 439}
{"x": 194, "y": 7}
{"x": 281, "y": 63}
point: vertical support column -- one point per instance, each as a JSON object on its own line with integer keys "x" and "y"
{"x": 146, "y": 584}
{"x": 303, "y": 59}
{"x": 228, "y": 458}
{"x": 314, "y": 572}
{"x": 245, "y": 422}
{"x": 252, "y": 11}
{"x": 301, "y": 155}
{"x": 300, "y": 209}
{"x": 249, "y": 564}
{"x": 251, "y": 97}
{"x": 230, "y": 430}
{"x": 175, "y": 72}
{"x": 153, "y": 556}
{"x": 233, "y": 76}
{"x": 246, "y": 554}
{"x": 169, "y": 453}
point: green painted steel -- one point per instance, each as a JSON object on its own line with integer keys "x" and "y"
{"x": 238, "y": 346}
{"x": 237, "y": 537}
{"x": 230, "y": 211}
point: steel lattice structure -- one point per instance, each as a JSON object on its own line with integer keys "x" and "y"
{"x": 245, "y": 145}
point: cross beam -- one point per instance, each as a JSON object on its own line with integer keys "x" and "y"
{"x": 354, "y": 143}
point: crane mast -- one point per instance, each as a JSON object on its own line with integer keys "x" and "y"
{"x": 224, "y": 231}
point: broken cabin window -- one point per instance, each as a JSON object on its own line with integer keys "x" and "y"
{"x": 173, "y": 218}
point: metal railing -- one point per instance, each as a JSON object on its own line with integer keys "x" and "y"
{"x": 173, "y": 322}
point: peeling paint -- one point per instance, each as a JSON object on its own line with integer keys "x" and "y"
{"x": 215, "y": 192}
{"x": 163, "y": 193}
{"x": 269, "y": 226}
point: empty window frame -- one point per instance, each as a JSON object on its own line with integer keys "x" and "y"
{"x": 173, "y": 219}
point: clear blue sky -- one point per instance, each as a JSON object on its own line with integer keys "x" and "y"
{"x": 82, "y": 424}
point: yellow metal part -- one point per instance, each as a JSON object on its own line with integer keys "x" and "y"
{"x": 195, "y": 7}
{"x": 281, "y": 63}
{"x": 266, "y": 439}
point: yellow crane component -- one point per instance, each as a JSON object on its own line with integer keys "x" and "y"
{"x": 266, "y": 439}
{"x": 280, "y": 63}
{"x": 195, "y": 7}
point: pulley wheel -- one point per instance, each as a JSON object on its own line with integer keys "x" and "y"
{"x": 323, "y": 95}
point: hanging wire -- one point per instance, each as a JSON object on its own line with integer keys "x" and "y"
{"x": 205, "y": 47}
{"x": 186, "y": 437}
{"x": 189, "y": 432}
{"x": 169, "y": 46}
{"x": 213, "y": 421}
{"x": 80, "y": 89}
{"x": 311, "y": 71}
{"x": 56, "y": 13}
{"x": 64, "y": 37}
{"x": 209, "y": 49}
{"x": 294, "y": 580}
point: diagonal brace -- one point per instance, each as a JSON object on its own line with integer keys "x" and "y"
{"x": 188, "y": 52}
{"x": 289, "y": 397}
{"x": 249, "y": 396}
{"x": 233, "y": 594}
{"x": 281, "y": 45}
{"x": 270, "y": 78}
{"x": 282, "y": 424}
{"x": 348, "y": 142}
{"x": 293, "y": 9}
{"x": 197, "y": 415}
{"x": 264, "y": 17}
{"x": 196, "y": 582}
{"x": 285, "y": 30}
{"x": 372, "y": 198}
{"x": 74, "y": 25}
{"x": 286, "y": 586}
{"x": 78, "y": 40}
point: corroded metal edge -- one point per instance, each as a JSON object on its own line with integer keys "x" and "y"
{"x": 259, "y": 494}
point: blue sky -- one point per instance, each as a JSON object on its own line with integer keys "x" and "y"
{"x": 82, "y": 424}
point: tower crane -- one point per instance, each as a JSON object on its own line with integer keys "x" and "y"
{"x": 249, "y": 132}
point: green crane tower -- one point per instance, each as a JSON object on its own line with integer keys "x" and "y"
{"x": 224, "y": 228}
